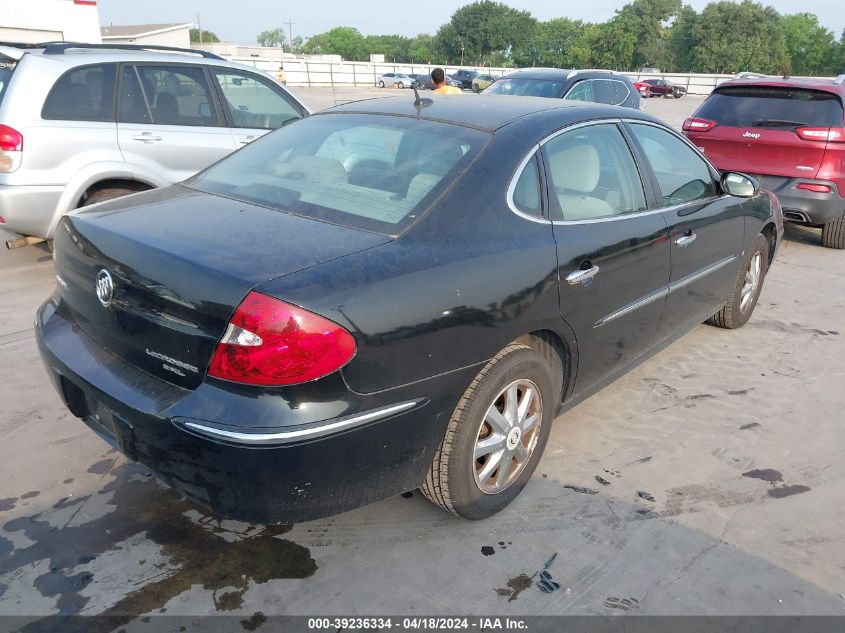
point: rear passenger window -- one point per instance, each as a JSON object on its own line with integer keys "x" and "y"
{"x": 593, "y": 174}
{"x": 681, "y": 174}
{"x": 172, "y": 95}
{"x": 526, "y": 192}
{"x": 582, "y": 91}
{"x": 253, "y": 103}
{"x": 83, "y": 94}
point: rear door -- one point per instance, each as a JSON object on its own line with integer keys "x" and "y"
{"x": 706, "y": 228}
{"x": 169, "y": 123}
{"x": 757, "y": 129}
{"x": 253, "y": 105}
{"x": 613, "y": 252}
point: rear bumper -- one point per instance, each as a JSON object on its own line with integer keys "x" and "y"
{"x": 29, "y": 210}
{"x": 802, "y": 206}
{"x": 379, "y": 446}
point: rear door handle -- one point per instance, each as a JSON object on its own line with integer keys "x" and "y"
{"x": 686, "y": 239}
{"x": 582, "y": 277}
{"x": 147, "y": 137}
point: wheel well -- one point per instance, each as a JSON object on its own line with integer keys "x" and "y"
{"x": 114, "y": 183}
{"x": 770, "y": 234}
{"x": 556, "y": 351}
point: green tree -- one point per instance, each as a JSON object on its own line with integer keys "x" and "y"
{"x": 648, "y": 22}
{"x": 811, "y": 47}
{"x": 341, "y": 40}
{"x": 730, "y": 37}
{"x": 421, "y": 49}
{"x": 611, "y": 45}
{"x": 562, "y": 43}
{"x": 273, "y": 37}
{"x": 478, "y": 30}
{"x": 207, "y": 37}
{"x": 296, "y": 45}
{"x": 393, "y": 47}
{"x": 680, "y": 42}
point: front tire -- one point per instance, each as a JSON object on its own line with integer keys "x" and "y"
{"x": 496, "y": 435}
{"x": 833, "y": 233}
{"x": 109, "y": 193}
{"x": 381, "y": 84}
{"x": 749, "y": 282}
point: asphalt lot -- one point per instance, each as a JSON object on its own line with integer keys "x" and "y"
{"x": 738, "y": 437}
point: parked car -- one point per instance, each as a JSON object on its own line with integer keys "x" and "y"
{"x": 664, "y": 88}
{"x": 389, "y": 294}
{"x": 643, "y": 88}
{"x": 601, "y": 86}
{"x": 391, "y": 79}
{"x": 465, "y": 77}
{"x": 85, "y": 123}
{"x": 480, "y": 82}
{"x": 424, "y": 82}
{"x": 789, "y": 133}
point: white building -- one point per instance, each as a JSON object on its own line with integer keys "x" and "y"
{"x": 49, "y": 20}
{"x": 178, "y": 35}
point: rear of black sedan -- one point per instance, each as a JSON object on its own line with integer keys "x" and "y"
{"x": 347, "y": 309}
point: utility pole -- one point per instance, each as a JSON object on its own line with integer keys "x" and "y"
{"x": 199, "y": 26}
{"x": 290, "y": 24}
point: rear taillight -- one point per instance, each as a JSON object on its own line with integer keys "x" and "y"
{"x": 828, "y": 134}
{"x": 270, "y": 342}
{"x": 11, "y": 146}
{"x": 811, "y": 186}
{"x": 698, "y": 125}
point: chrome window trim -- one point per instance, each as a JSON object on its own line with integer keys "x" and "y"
{"x": 611, "y": 79}
{"x": 281, "y": 437}
{"x": 512, "y": 188}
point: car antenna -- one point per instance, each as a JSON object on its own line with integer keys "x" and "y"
{"x": 419, "y": 102}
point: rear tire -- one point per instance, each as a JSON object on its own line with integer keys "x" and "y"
{"x": 110, "y": 193}
{"x": 746, "y": 291}
{"x": 515, "y": 390}
{"x": 381, "y": 84}
{"x": 833, "y": 233}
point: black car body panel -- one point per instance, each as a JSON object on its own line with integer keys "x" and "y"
{"x": 427, "y": 309}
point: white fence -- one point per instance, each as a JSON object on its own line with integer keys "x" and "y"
{"x": 301, "y": 72}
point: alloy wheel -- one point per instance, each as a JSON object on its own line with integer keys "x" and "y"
{"x": 752, "y": 281}
{"x": 507, "y": 436}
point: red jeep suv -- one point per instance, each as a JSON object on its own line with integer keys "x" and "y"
{"x": 790, "y": 135}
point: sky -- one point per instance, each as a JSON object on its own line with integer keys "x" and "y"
{"x": 240, "y": 21}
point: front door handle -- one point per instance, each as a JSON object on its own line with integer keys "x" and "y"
{"x": 582, "y": 277}
{"x": 147, "y": 137}
{"x": 686, "y": 239}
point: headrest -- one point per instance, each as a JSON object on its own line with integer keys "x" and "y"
{"x": 575, "y": 168}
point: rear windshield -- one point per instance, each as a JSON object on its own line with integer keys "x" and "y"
{"x": 765, "y": 106}
{"x": 373, "y": 172}
{"x": 526, "y": 87}
{"x": 6, "y": 70}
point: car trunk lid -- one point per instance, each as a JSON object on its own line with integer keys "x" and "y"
{"x": 757, "y": 129}
{"x": 180, "y": 262}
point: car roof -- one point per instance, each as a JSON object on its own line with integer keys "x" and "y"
{"x": 562, "y": 73}
{"x": 489, "y": 113}
{"x": 826, "y": 85}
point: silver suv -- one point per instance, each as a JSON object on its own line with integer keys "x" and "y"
{"x": 84, "y": 123}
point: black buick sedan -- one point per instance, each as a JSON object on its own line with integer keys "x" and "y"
{"x": 386, "y": 296}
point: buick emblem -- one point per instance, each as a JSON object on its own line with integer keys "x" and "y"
{"x": 105, "y": 287}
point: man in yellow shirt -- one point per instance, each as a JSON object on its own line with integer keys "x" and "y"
{"x": 440, "y": 87}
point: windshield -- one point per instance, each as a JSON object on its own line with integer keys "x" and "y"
{"x": 373, "y": 172}
{"x": 767, "y": 106}
{"x": 525, "y": 87}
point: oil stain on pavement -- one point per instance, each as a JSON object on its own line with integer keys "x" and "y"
{"x": 197, "y": 551}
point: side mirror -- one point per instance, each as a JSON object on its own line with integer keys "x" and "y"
{"x": 739, "y": 185}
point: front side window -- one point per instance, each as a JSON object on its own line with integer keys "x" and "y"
{"x": 592, "y": 174}
{"x": 372, "y": 172}
{"x": 84, "y": 94}
{"x": 682, "y": 175}
{"x": 253, "y": 103}
{"x": 582, "y": 91}
{"x": 172, "y": 95}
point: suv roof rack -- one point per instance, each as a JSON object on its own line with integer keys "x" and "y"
{"x": 59, "y": 48}
{"x": 839, "y": 80}
{"x": 750, "y": 75}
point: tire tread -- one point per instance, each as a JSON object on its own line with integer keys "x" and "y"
{"x": 833, "y": 233}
